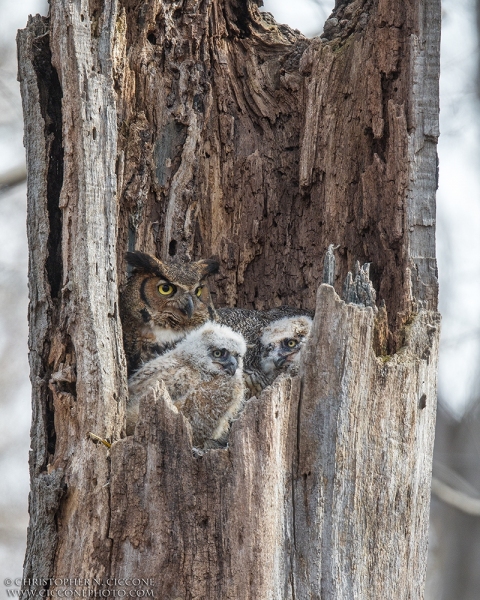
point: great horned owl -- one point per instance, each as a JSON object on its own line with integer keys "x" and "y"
{"x": 203, "y": 375}
{"x": 281, "y": 343}
{"x": 260, "y": 333}
{"x": 160, "y": 303}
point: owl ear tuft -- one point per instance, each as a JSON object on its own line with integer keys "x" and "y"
{"x": 142, "y": 262}
{"x": 208, "y": 267}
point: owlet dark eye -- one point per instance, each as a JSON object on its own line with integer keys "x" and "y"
{"x": 291, "y": 343}
{"x": 166, "y": 289}
{"x": 198, "y": 291}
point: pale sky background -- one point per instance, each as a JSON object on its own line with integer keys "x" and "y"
{"x": 458, "y": 241}
{"x": 458, "y": 206}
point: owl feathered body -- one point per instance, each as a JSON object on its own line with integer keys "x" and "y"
{"x": 160, "y": 303}
{"x": 203, "y": 375}
{"x": 267, "y": 333}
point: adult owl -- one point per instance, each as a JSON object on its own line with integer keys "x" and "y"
{"x": 160, "y": 303}
{"x": 203, "y": 375}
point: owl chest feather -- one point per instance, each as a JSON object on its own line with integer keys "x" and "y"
{"x": 210, "y": 408}
{"x": 165, "y": 335}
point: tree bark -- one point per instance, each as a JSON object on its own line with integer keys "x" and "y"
{"x": 201, "y": 129}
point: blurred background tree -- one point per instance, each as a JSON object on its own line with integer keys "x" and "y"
{"x": 14, "y": 369}
{"x": 454, "y": 551}
{"x": 455, "y": 536}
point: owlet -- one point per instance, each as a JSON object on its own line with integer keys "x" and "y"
{"x": 203, "y": 375}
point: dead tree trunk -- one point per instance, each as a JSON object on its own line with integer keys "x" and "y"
{"x": 197, "y": 129}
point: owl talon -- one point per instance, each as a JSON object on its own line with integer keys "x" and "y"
{"x": 97, "y": 438}
{"x": 197, "y": 452}
{"x": 294, "y": 369}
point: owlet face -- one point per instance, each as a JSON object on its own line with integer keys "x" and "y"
{"x": 222, "y": 348}
{"x": 163, "y": 301}
{"x": 223, "y": 360}
{"x": 215, "y": 349}
{"x": 282, "y": 342}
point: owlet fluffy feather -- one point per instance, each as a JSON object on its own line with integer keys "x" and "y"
{"x": 160, "y": 303}
{"x": 203, "y": 375}
{"x": 274, "y": 339}
{"x": 282, "y": 342}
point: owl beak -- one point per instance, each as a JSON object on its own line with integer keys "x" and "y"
{"x": 231, "y": 365}
{"x": 280, "y": 361}
{"x": 187, "y": 308}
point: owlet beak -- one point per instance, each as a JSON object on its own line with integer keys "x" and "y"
{"x": 231, "y": 365}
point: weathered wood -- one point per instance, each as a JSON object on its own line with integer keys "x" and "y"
{"x": 365, "y": 442}
{"x": 203, "y": 128}
{"x": 344, "y": 133}
{"x": 297, "y": 507}
{"x": 42, "y": 152}
{"x": 209, "y": 527}
{"x": 77, "y": 361}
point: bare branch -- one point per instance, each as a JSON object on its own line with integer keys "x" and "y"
{"x": 455, "y": 498}
{"x": 13, "y": 177}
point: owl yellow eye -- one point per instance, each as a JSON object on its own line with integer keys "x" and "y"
{"x": 166, "y": 289}
{"x": 291, "y": 343}
{"x": 198, "y": 291}
{"x": 217, "y": 353}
